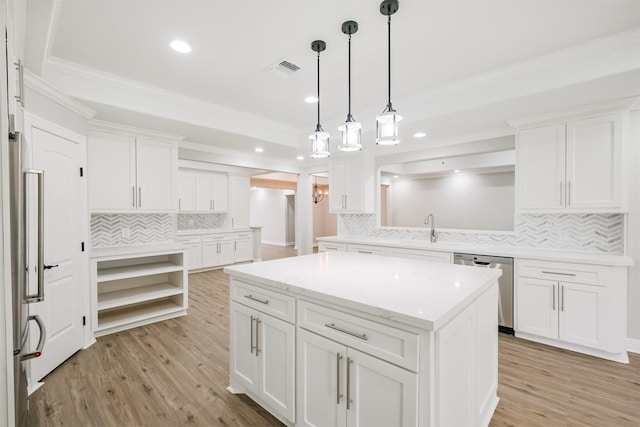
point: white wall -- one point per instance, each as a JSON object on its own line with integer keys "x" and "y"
{"x": 633, "y": 227}
{"x": 324, "y": 223}
{"x": 268, "y": 208}
{"x": 470, "y": 201}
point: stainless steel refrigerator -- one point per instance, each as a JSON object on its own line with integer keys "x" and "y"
{"x": 27, "y": 265}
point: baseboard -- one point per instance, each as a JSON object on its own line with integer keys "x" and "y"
{"x": 633, "y": 345}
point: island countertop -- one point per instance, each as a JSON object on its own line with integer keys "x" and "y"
{"x": 410, "y": 291}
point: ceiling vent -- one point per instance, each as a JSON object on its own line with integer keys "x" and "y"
{"x": 282, "y": 68}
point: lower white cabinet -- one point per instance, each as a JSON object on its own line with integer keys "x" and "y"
{"x": 422, "y": 254}
{"x": 243, "y": 247}
{"x": 214, "y": 250}
{"x": 433, "y": 256}
{"x": 331, "y": 246}
{"x": 366, "y": 249}
{"x": 194, "y": 250}
{"x": 217, "y": 250}
{"x": 262, "y": 358}
{"x": 341, "y": 386}
{"x": 572, "y": 304}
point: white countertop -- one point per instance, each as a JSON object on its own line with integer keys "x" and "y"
{"x": 213, "y": 231}
{"x": 508, "y": 251}
{"x": 135, "y": 250}
{"x": 410, "y": 291}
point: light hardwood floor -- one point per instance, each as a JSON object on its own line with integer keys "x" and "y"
{"x": 175, "y": 373}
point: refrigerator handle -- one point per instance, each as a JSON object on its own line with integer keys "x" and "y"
{"x": 41, "y": 340}
{"x": 40, "y": 295}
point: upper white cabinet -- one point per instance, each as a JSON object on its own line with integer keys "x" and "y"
{"x": 573, "y": 166}
{"x": 202, "y": 192}
{"x": 131, "y": 174}
{"x": 239, "y": 187}
{"x": 351, "y": 184}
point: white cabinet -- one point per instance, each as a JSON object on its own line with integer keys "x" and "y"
{"x": 194, "y": 250}
{"x": 131, "y": 174}
{"x": 213, "y": 250}
{"x": 381, "y": 249}
{"x": 574, "y": 166}
{"x": 425, "y": 255}
{"x": 239, "y": 188}
{"x": 575, "y": 306}
{"x": 262, "y": 353}
{"x": 365, "y": 249}
{"x": 202, "y": 191}
{"x": 351, "y": 184}
{"x": 135, "y": 289}
{"x": 331, "y": 246}
{"x": 217, "y": 249}
{"x": 243, "y": 247}
{"x": 341, "y": 386}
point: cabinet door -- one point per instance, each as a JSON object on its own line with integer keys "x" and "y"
{"x": 194, "y": 255}
{"x": 239, "y": 187}
{"x": 210, "y": 254}
{"x": 156, "y": 169}
{"x": 225, "y": 252}
{"x": 382, "y": 394}
{"x": 243, "y": 360}
{"x": 243, "y": 250}
{"x": 540, "y": 168}
{"x": 537, "y": 307}
{"x": 321, "y": 381}
{"x": 337, "y": 188}
{"x": 204, "y": 202}
{"x": 186, "y": 191}
{"x": 220, "y": 192}
{"x": 354, "y": 184}
{"x": 276, "y": 350}
{"x": 112, "y": 173}
{"x": 594, "y": 163}
{"x": 582, "y": 315}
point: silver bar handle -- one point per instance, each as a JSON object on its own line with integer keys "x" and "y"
{"x": 345, "y": 201}
{"x": 179, "y": 205}
{"x": 133, "y": 196}
{"x": 213, "y": 205}
{"x": 561, "y": 274}
{"x": 257, "y": 336}
{"x": 346, "y": 331}
{"x": 338, "y": 394}
{"x": 261, "y": 301}
{"x": 251, "y": 327}
{"x": 554, "y": 297}
{"x": 569, "y": 194}
{"x": 40, "y": 268}
{"x": 561, "y": 193}
{"x": 349, "y": 401}
{"x": 139, "y": 197}
{"x": 365, "y": 252}
{"x": 20, "y": 68}
{"x": 41, "y": 340}
{"x": 561, "y": 297}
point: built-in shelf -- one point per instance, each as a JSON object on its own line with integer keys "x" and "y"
{"x": 136, "y": 289}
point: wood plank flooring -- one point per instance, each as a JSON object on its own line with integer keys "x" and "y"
{"x": 175, "y": 373}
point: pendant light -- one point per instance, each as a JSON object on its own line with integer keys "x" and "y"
{"x": 387, "y": 122}
{"x": 320, "y": 138}
{"x": 317, "y": 195}
{"x": 351, "y": 130}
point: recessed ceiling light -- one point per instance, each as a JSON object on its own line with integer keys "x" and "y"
{"x": 300, "y": 158}
{"x": 259, "y": 150}
{"x": 396, "y": 176}
{"x": 311, "y": 99}
{"x": 180, "y": 46}
{"x": 457, "y": 171}
{"x": 419, "y": 135}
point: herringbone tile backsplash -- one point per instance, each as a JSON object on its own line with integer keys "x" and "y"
{"x": 203, "y": 221}
{"x": 106, "y": 229}
{"x": 601, "y": 233}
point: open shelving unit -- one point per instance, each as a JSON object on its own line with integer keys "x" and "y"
{"x": 136, "y": 289}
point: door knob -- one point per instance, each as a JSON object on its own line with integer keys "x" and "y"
{"x": 48, "y": 267}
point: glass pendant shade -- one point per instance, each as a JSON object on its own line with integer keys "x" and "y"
{"x": 387, "y": 128}
{"x": 351, "y": 136}
{"x": 319, "y": 144}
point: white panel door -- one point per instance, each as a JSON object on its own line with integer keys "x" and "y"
{"x": 220, "y": 192}
{"x": 209, "y": 254}
{"x": 204, "y": 202}
{"x": 277, "y": 353}
{"x": 243, "y": 250}
{"x": 111, "y": 173}
{"x": 582, "y": 314}
{"x": 186, "y": 191}
{"x": 225, "y": 252}
{"x": 321, "y": 381}
{"x": 239, "y": 193}
{"x": 594, "y": 163}
{"x": 244, "y": 362}
{"x": 337, "y": 188}
{"x": 540, "y": 168}
{"x": 354, "y": 184}
{"x": 380, "y": 394}
{"x": 62, "y": 308}
{"x": 156, "y": 167}
{"x": 537, "y": 307}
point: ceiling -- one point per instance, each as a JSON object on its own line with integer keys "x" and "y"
{"x": 458, "y": 67}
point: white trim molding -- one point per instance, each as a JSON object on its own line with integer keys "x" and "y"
{"x": 49, "y": 91}
{"x": 116, "y": 128}
{"x": 633, "y": 345}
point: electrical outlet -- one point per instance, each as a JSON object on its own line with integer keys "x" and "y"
{"x": 126, "y": 232}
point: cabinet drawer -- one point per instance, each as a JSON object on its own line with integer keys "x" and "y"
{"x": 433, "y": 256}
{"x": 190, "y": 239}
{"x": 330, "y": 246}
{"x": 215, "y": 237}
{"x": 366, "y": 249}
{"x": 242, "y": 235}
{"x": 278, "y": 305}
{"x": 567, "y": 272}
{"x": 390, "y": 344}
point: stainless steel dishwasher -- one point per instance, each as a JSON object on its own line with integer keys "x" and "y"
{"x": 505, "y": 283}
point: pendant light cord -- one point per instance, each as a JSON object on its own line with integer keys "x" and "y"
{"x": 318, "y": 128}
{"x": 389, "y": 107}
{"x": 349, "y": 118}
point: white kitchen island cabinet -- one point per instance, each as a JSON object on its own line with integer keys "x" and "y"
{"x": 379, "y": 341}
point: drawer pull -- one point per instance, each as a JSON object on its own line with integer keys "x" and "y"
{"x": 345, "y": 331}
{"x": 261, "y": 301}
{"x": 562, "y": 274}
{"x": 365, "y": 252}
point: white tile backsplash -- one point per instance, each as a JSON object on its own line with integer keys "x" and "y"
{"x": 199, "y": 221}
{"x": 106, "y": 229}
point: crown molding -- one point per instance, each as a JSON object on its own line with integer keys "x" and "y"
{"x": 98, "y": 86}
{"x": 614, "y": 106}
{"x": 118, "y": 129}
{"x": 49, "y": 91}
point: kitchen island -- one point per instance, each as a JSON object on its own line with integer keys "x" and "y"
{"x": 346, "y": 339}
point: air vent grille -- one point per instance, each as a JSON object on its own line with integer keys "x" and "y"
{"x": 282, "y": 68}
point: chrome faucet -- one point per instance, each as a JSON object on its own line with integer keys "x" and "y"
{"x": 429, "y": 220}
